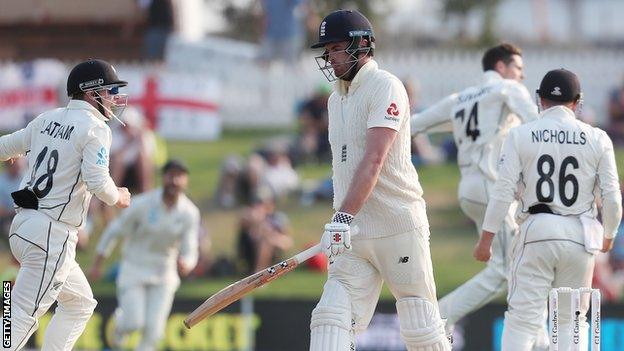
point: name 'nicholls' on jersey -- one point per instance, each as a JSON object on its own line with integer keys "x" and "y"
{"x": 67, "y": 151}
{"x": 558, "y": 161}
{"x": 481, "y": 117}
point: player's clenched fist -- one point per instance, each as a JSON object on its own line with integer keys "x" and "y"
{"x": 124, "y": 198}
{"x": 337, "y": 236}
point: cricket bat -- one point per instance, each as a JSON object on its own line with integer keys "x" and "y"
{"x": 237, "y": 290}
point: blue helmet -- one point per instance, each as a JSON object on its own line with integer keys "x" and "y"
{"x": 344, "y": 25}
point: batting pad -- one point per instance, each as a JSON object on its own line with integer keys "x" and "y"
{"x": 422, "y": 329}
{"x": 330, "y": 325}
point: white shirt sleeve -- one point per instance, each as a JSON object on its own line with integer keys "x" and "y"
{"x": 15, "y": 144}
{"x": 389, "y": 104}
{"x": 519, "y": 101}
{"x": 435, "y": 116}
{"x": 609, "y": 185}
{"x": 95, "y": 161}
{"x": 124, "y": 224}
{"x": 509, "y": 170}
{"x": 189, "y": 250}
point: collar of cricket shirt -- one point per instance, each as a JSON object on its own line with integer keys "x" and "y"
{"x": 491, "y": 75}
{"x": 344, "y": 87}
{"x": 83, "y": 105}
{"x": 558, "y": 111}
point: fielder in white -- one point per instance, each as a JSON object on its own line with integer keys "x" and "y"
{"x": 376, "y": 190}
{"x": 555, "y": 164}
{"x": 481, "y": 117}
{"x": 161, "y": 238}
{"x": 67, "y": 151}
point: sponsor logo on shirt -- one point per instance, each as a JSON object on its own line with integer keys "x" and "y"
{"x": 393, "y": 109}
{"x": 393, "y": 112}
{"x": 102, "y": 157}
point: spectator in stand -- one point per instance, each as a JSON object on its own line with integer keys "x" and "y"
{"x": 132, "y": 153}
{"x": 263, "y": 233}
{"x": 278, "y": 173}
{"x": 160, "y": 24}
{"x": 313, "y": 142}
{"x": 268, "y": 167}
{"x": 9, "y": 182}
{"x": 615, "y": 129}
{"x": 227, "y": 194}
{"x": 283, "y": 29}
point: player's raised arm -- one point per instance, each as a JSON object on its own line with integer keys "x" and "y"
{"x": 519, "y": 101}
{"x": 435, "y": 117}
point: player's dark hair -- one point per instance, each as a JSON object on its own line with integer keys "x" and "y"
{"x": 78, "y": 96}
{"x": 502, "y": 52}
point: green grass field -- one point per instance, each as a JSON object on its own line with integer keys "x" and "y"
{"x": 452, "y": 234}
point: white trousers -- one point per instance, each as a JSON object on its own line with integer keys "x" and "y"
{"x": 46, "y": 251}
{"x": 491, "y": 282}
{"x": 145, "y": 308}
{"x": 403, "y": 261}
{"x": 548, "y": 253}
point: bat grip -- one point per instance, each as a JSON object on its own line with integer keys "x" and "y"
{"x": 307, "y": 254}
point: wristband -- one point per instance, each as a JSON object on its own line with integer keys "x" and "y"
{"x": 342, "y": 217}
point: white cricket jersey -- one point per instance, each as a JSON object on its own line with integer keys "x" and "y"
{"x": 481, "y": 117}
{"x": 67, "y": 151}
{"x": 375, "y": 98}
{"x": 155, "y": 235}
{"x": 559, "y": 161}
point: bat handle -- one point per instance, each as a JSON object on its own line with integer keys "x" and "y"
{"x": 307, "y": 254}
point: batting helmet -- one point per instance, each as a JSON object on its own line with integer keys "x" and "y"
{"x": 349, "y": 26}
{"x": 344, "y": 25}
{"x": 93, "y": 74}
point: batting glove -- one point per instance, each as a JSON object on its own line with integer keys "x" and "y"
{"x": 337, "y": 236}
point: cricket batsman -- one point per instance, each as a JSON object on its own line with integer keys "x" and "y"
{"x": 376, "y": 190}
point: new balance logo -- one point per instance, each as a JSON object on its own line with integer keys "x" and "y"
{"x": 343, "y": 156}
{"x": 404, "y": 259}
{"x": 556, "y": 91}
